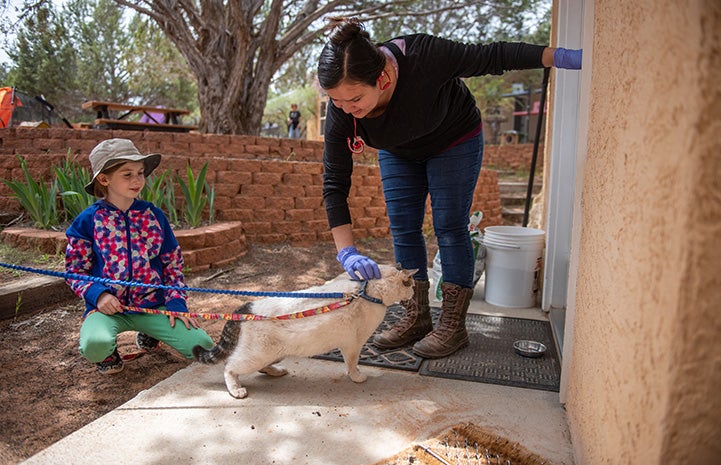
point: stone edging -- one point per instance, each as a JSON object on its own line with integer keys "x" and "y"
{"x": 212, "y": 246}
{"x": 203, "y": 247}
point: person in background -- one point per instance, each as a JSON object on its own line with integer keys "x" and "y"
{"x": 406, "y": 97}
{"x": 120, "y": 237}
{"x": 153, "y": 118}
{"x": 294, "y": 122}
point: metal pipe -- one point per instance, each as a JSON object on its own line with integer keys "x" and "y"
{"x": 542, "y": 106}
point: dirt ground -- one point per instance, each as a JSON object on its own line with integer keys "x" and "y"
{"x": 48, "y": 390}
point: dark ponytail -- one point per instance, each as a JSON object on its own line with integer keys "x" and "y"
{"x": 349, "y": 56}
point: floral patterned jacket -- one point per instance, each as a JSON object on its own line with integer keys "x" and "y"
{"x": 134, "y": 245}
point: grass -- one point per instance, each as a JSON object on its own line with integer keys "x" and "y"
{"x": 34, "y": 259}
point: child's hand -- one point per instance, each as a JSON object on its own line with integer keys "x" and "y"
{"x": 188, "y": 322}
{"x": 109, "y": 304}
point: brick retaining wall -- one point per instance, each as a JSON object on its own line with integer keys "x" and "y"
{"x": 203, "y": 247}
{"x": 272, "y": 186}
{"x": 512, "y": 157}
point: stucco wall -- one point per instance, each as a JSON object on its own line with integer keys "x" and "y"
{"x": 646, "y": 368}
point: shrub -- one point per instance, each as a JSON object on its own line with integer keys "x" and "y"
{"x": 36, "y": 197}
{"x": 161, "y": 191}
{"x": 193, "y": 190}
{"x": 72, "y": 179}
{"x": 40, "y": 200}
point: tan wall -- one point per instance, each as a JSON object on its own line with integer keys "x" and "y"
{"x": 273, "y": 186}
{"x": 645, "y": 379}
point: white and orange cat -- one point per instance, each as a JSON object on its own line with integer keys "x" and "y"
{"x": 249, "y": 346}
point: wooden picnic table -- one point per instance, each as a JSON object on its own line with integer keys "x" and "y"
{"x": 111, "y": 115}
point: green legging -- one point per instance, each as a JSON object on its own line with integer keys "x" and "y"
{"x": 99, "y": 331}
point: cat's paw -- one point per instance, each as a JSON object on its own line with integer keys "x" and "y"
{"x": 358, "y": 377}
{"x": 274, "y": 370}
{"x": 239, "y": 392}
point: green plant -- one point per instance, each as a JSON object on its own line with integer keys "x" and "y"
{"x": 72, "y": 179}
{"x": 211, "y": 202}
{"x": 193, "y": 190}
{"x": 18, "y": 304}
{"x": 154, "y": 188}
{"x": 37, "y": 198}
{"x": 160, "y": 190}
{"x": 40, "y": 199}
{"x": 168, "y": 202}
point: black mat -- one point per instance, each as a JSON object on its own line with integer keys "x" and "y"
{"x": 489, "y": 358}
{"x": 402, "y": 358}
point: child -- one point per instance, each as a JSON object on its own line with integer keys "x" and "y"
{"x": 120, "y": 237}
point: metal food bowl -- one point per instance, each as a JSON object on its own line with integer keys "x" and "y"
{"x": 529, "y": 348}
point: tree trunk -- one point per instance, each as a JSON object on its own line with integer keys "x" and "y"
{"x": 232, "y": 58}
{"x": 233, "y": 105}
{"x": 222, "y": 113}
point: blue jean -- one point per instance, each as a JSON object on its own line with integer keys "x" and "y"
{"x": 293, "y": 133}
{"x": 450, "y": 178}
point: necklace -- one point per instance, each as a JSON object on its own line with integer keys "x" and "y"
{"x": 358, "y": 145}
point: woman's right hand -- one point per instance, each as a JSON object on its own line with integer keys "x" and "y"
{"x": 358, "y": 266}
{"x": 109, "y": 304}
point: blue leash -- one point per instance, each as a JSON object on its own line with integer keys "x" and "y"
{"x": 95, "y": 279}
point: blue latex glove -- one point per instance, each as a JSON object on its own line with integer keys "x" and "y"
{"x": 358, "y": 266}
{"x": 568, "y": 59}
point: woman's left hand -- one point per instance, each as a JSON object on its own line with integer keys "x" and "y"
{"x": 567, "y": 59}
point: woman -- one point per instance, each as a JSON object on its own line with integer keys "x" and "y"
{"x": 406, "y": 98}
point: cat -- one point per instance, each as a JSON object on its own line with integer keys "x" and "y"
{"x": 258, "y": 345}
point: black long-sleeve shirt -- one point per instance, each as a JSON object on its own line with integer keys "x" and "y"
{"x": 430, "y": 109}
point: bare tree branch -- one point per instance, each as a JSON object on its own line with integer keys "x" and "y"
{"x": 234, "y": 47}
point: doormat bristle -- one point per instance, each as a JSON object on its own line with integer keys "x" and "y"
{"x": 466, "y": 444}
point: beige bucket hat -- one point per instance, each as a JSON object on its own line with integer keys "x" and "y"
{"x": 113, "y": 151}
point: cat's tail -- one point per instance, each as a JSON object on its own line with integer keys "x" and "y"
{"x": 227, "y": 342}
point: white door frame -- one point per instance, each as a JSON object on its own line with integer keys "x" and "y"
{"x": 562, "y": 166}
{"x": 567, "y": 162}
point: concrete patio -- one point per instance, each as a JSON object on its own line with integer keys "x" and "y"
{"x": 314, "y": 415}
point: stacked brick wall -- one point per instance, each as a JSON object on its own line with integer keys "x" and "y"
{"x": 272, "y": 186}
{"x": 516, "y": 157}
{"x": 204, "y": 247}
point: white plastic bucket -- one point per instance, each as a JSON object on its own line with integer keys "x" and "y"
{"x": 514, "y": 256}
{"x": 516, "y": 234}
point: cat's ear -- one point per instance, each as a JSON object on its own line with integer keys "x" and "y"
{"x": 399, "y": 266}
{"x": 410, "y": 273}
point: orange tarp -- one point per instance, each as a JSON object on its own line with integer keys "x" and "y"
{"x": 8, "y": 103}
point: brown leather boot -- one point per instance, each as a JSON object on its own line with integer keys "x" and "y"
{"x": 450, "y": 335}
{"x": 413, "y": 325}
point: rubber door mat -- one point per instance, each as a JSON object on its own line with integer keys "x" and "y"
{"x": 402, "y": 358}
{"x": 490, "y": 357}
